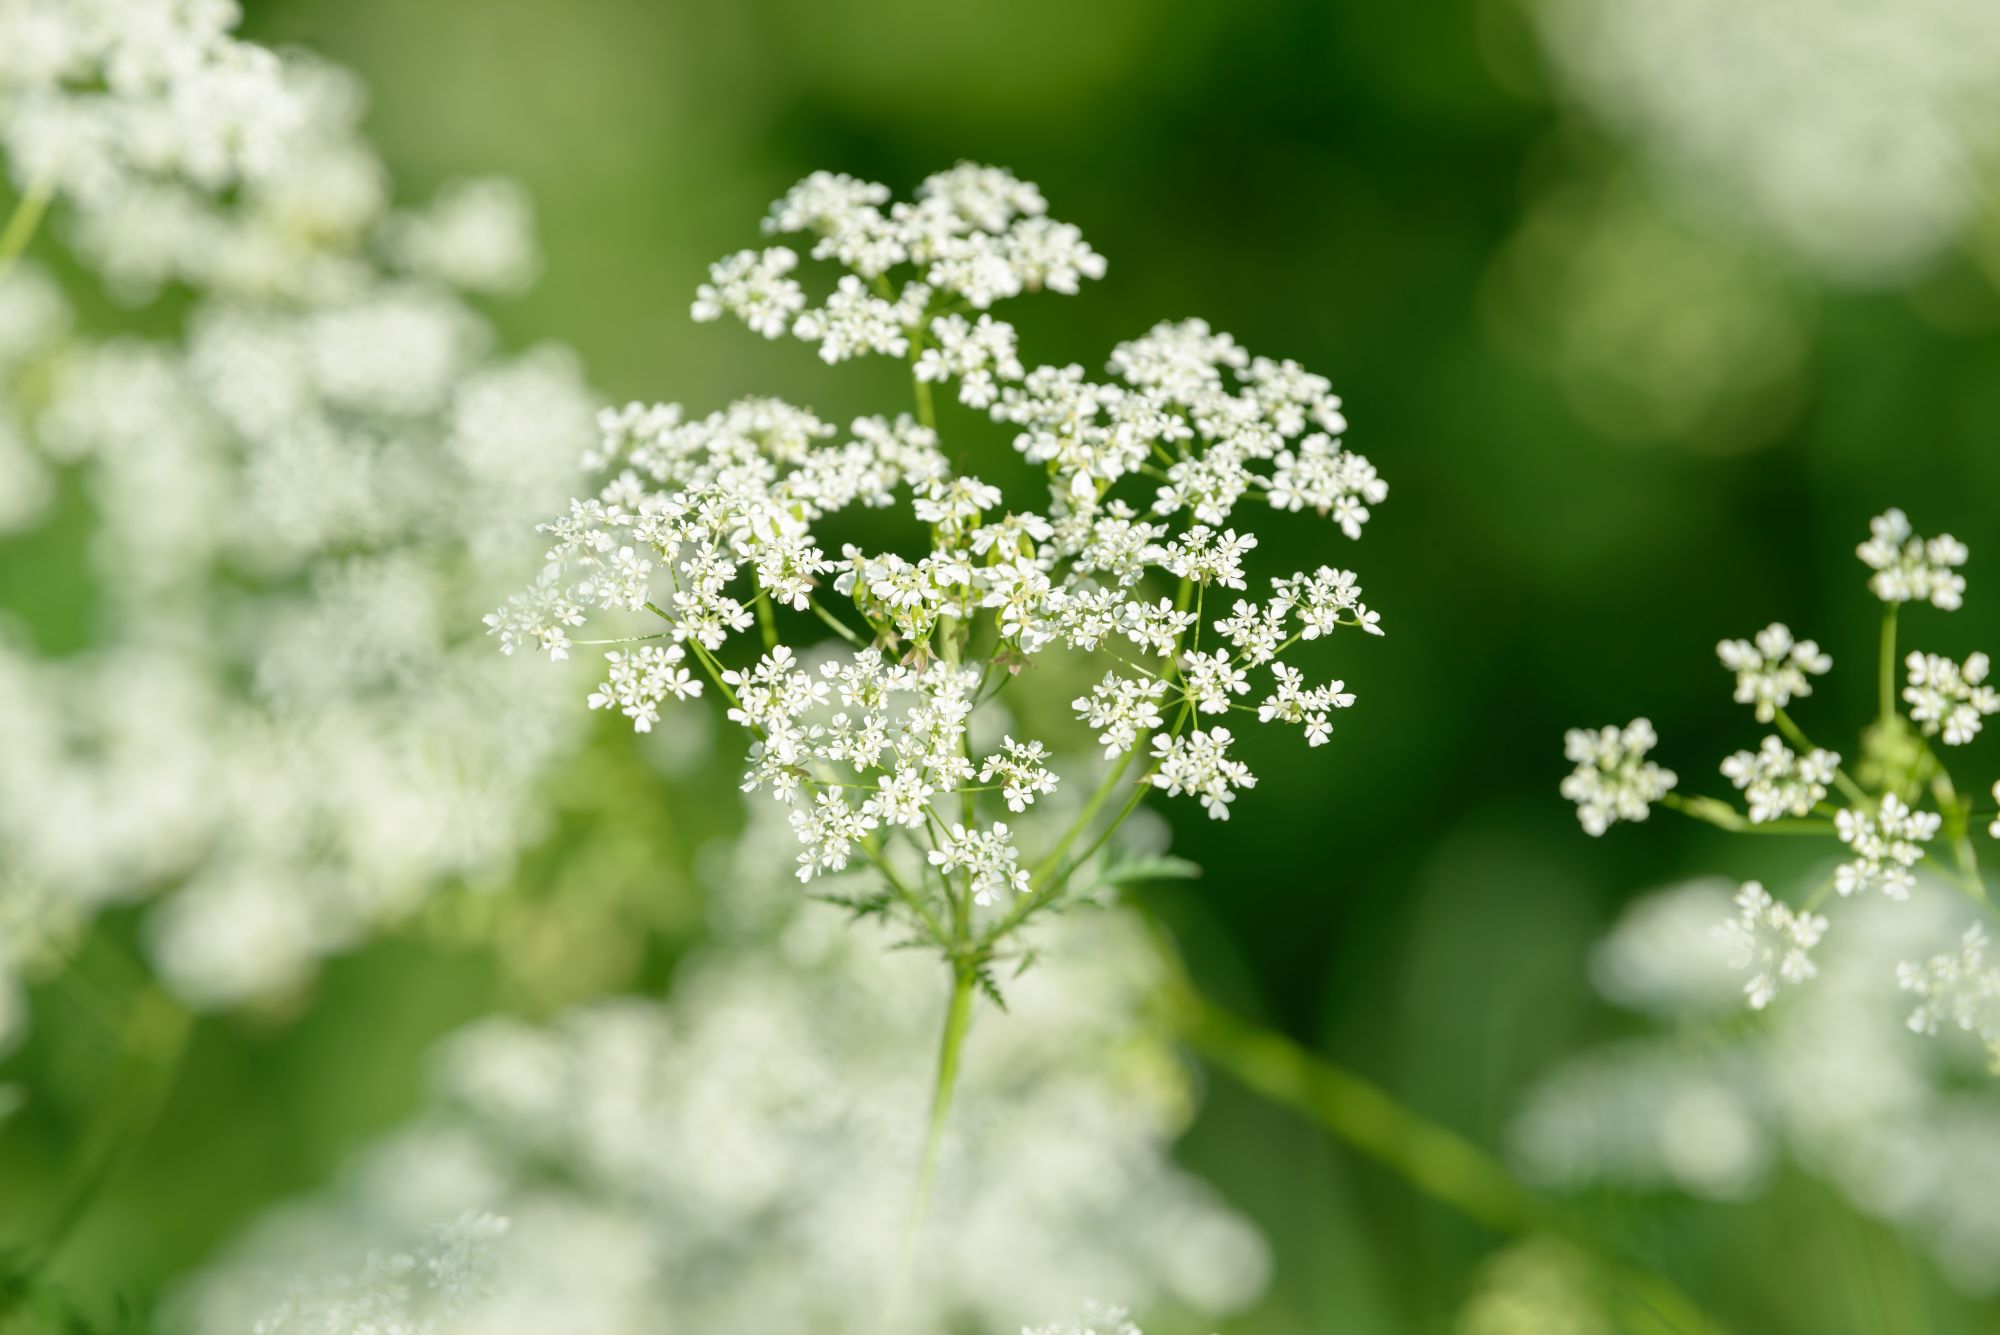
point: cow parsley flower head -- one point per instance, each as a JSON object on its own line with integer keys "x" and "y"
{"x": 1912, "y": 569}
{"x": 1949, "y": 699}
{"x": 1613, "y": 780}
{"x": 1772, "y": 669}
{"x": 862, "y": 673}
{"x": 1777, "y": 782}
{"x": 1771, "y": 942}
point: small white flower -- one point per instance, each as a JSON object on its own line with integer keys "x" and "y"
{"x": 1912, "y": 569}
{"x": 1773, "y": 669}
{"x": 988, "y": 857}
{"x": 1021, "y": 769}
{"x": 641, "y": 680}
{"x": 1199, "y": 764}
{"x": 756, "y": 287}
{"x": 1613, "y": 780}
{"x": 1886, "y": 846}
{"x": 1771, "y": 942}
{"x": 1948, "y": 698}
{"x": 1776, "y": 782}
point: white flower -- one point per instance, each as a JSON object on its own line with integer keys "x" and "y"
{"x": 1777, "y": 782}
{"x": 1949, "y": 698}
{"x": 1119, "y": 709}
{"x": 1212, "y": 679}
{"x": 1199, "y": 764}
{"x": 1292, "y": 703}
{"x": 988, "y": 857}
{"x": 1771, "y": 942}
{"x": 756, "y": 287}
{"x": 1773, "y": 669}
{"x": 1020, "y": 768}
{"x": 641, "y": 680}
{"x": 1885, "y": 845}
{"x": 1613, "y": 780}
{"x": 1994, "y": 828}
{"x": 1912, "y": 569}
{"x": 856, "y": 321}
{"x": 979, "y": 355}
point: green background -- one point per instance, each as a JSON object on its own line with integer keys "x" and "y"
{"x": 1335, "y": 183}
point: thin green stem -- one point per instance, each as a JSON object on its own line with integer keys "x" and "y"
{"x": 1841, "y": 779}
{"x": 1958, "y": 830}
{"x": 1887, "y": 666}
{"x": 1434, "y": 1159}
{"x": 24, "y": 220}
{"x": 1723, "y": 816}
{"x": 840, "y": 628}
{"x": 767, "y": 621}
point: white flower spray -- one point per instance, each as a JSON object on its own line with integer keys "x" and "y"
{"x": 735, "y": 533}
{"x": 1896, "y": 813}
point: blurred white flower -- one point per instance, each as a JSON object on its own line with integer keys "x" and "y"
{"x": 1833, "y": 1080}
{"x": 739, "y": 1157}
{"x": 1854, "y": 134}
{"x": 283, "y": 725}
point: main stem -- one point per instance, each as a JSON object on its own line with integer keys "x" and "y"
{"x": 957, "y": 1020}
{"x": 1887, "y": 667}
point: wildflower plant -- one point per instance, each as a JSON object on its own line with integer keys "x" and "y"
{"x": 1896, "y": 812}
{"x": 858, "y": 671}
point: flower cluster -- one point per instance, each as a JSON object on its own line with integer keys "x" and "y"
{"x": 1788, "y": 783}
{"x": 865, "y": 666}
{"x": 295, "y": 498}
{"x": 1910, "y": 569}
{"x": 1776, "y": 781}
{"x": 1772, "y": 669}
{"x": 1949, "y": 698}
{"x": 1613, "y": 780}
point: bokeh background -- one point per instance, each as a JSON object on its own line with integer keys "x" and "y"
{"x": 1622, "y": 416}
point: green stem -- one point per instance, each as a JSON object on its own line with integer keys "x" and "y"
{"x": 24, "y": 220}
{"x": 1887, "y": 672}
{"x": 1437, "y": 1161}
{"x": 153, "y": 1040}
{"x": 1723, "y": 816}
{"x": 957, "y": 1020}
{"x": 1959, "y": 831}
